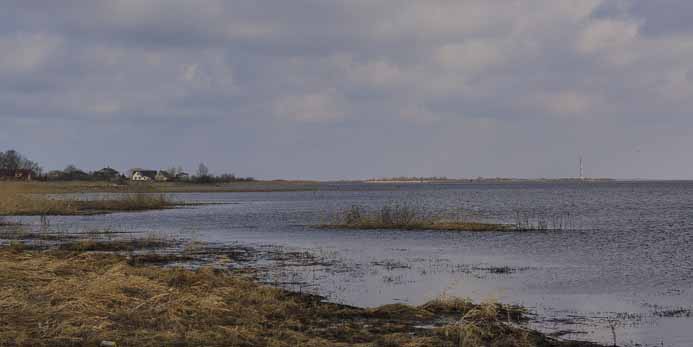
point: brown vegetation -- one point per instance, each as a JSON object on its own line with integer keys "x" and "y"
{"x": 60, "y": 187}
{"x": 65, "y": 298}
{"x": 404, "y": 217}
{"x": 19, "y": 199}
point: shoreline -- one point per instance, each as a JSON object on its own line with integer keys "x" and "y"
{"x": 102, "y": 271}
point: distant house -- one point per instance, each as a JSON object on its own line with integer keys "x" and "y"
{"x": 182, "y": 176}
{"x": 163, "y": 176}
{"x": 20, "y": 174}
{"x": 76, "y": 175}
{"x": 107, "y": 174}
{"x": 56, "y": 175}
{"x": 143, "y": 175}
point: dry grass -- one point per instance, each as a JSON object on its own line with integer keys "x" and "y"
{"x": 17, "y": 199}
{"x": 403, "y": 217}
{"x": 115, "y": 245}
{"x": 62, "y": 298}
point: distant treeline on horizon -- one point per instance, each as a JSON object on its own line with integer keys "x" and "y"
{"x": 15, "y": 166}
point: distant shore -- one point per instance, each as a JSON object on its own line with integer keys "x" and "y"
{"x": 487, "y": 180}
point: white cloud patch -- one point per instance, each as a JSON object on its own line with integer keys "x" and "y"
{"x": 320, "y": 106}
{"x": 24, "y": 53}
{"x": 473, "y": 56}
{"x": 568, "y": 104}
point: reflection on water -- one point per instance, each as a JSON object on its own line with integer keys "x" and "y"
{"x": 629, "y": 264}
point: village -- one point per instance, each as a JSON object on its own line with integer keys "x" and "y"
{"x": 16, "y": 167}
{"x": 105, "y": 174}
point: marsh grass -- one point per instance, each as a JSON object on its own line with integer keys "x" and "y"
{"x": 538, "y": 220}
{"x": 16, "y": 200}
{"x": 58, "y": 298}
{"x": 64, "y": 187}
{"x": 126, "y": 245}
{"x": 404, "y": 217}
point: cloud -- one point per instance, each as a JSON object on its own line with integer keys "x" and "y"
{"x": 372, "y": 67}
{"x": 320, "y": 106}
{"x": 27, "y": 52}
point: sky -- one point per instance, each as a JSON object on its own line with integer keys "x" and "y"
{"x": 352, "y": 89}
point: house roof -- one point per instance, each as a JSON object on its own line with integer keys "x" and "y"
{"x": 148, "y": 173}
{"x": 107, "y": 170}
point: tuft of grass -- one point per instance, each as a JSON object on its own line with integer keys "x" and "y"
{"x": 404, "y": 217}
{"x": 533, "y": 220}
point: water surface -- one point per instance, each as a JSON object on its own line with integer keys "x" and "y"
{"x": 628, "y": 263}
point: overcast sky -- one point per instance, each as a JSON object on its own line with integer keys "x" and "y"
{"x": 352, "y": 89}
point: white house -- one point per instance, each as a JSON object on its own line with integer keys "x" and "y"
{"x": 143, "y": 175}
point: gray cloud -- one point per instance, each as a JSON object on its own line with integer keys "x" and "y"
{"x": 351, "y": 89}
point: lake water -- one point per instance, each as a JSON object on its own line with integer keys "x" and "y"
{"x": 627, "y": 263}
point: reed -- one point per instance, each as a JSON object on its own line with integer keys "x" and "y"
{"x": 539, "y": 220}
{"x": 403, "y": 217}
{"x": 16, "y": 200}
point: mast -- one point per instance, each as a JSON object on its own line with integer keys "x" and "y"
{"x": 582, "y": 177}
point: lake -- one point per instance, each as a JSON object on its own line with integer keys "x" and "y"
{"x": 626, "y": 263}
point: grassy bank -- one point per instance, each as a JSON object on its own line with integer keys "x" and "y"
{"x": 17, "y": 200}
{"x": 72, "y": 298}
{"x": 404, "y": 217}
{"x": 60, "y": 187}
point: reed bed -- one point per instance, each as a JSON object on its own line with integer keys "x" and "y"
{"x": 16, "y": 201}
{"x": 63, "y": 187}
{"x": 534, "y": 220}
{"x": 404, "y": 217}
{"x": 72, "y": 298}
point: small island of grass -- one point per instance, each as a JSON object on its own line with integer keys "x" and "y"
{"x": 405, "y": 217}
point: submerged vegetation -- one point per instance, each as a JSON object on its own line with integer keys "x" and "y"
{"x": 70, "y": 297}
{"x": 15, "y": 201}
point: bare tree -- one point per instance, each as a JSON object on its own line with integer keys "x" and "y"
{"x": 13, "y": 161}
{"x": 202, "y": 170}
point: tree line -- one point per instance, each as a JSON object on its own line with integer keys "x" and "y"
{"x": 203, "y": 176}
{"x": 12, "y": 161}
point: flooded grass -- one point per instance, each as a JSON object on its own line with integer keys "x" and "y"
{"x": 78, "y": 298}
{"x": 63, "y": 187}
{"x": 404, "y": 217}
{"x": 19, "y": 200}
{"x": 130, "y": 245}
